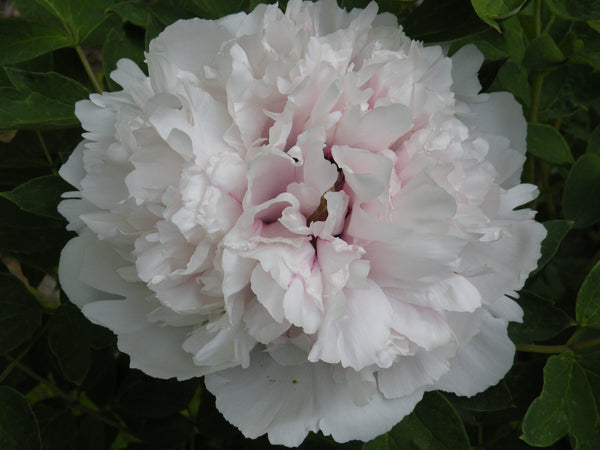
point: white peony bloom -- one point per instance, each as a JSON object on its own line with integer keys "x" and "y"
{"x": 307, "y": 208}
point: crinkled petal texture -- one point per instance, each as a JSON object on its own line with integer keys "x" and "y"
{"x": 310, "y": 209}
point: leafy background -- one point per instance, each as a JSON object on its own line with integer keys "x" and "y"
{"x": 63, "y": 384}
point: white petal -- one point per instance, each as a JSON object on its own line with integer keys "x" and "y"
{"x": 482, "y": 362}
{"x": 352, "y": 334}
{"x": 289, "y": 401}
{"x": 465, "y": 65}
{"x": 69, "y": 268}
{"x": 157, "y": 351}
{"x": 413, "y": 373}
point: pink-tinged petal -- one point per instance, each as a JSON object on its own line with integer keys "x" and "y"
{"x": 366, "y": 173}
{"x": 376, "y": 130}
{"x": 268, "y": 292}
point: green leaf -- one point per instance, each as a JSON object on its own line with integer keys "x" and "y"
{"x": 133, "y": 12}
{"x": 568, "y": 88}
{"x": 20, "y": 110}
{"x": 593, "y": 145}
{"x": 567, "y": 404}
{"x": 219, "y": 8}
{"x": 547, "y": 143}
{"x": 491, "y": 10}
{"x": 546, "y": 419}
{"x": 50, "y": 84}
{"x": 40, "y": 100}
{"x": 588, "y": 300}
{"x": 79, "y": 17}
{"x": 119, "y": 45}
{"x": 57, "y": 426}
{"x": 20, "y": 313}
{"x": 21, "y": 40}
{"x": 18, "y": 427}
{"x": 433, "y": 425}
{"x": 514, "y": 78}
{"x": 69, "y": 342}
{"x": 40, "y": 195}
{"x": 26, "y": 233}
{"x": 166, "y": 432}
{"x": 557, "y": 230}
{"x": 575, "y": 10}
{"x": 141, "y": 396}
{"x": 541, "y": 320}
{"x": 153, "y": 28}
{"x": 542, "y": 52}
{"x": 442, "y": 21}
{"x": 582, "y": 190}
{"x": 495, "y": 398}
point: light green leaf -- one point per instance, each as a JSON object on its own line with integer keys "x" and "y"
{"x": 542, "y": 52}
{"x": 39, "y": 195}
{"x": 546, "y": 419}
{"x": 588, "y": 300}
{"x": 20, "y": 313}
{"x": 567, "y": 404}
{"x": 433, "y": 425}
{"x": 18, "y": 427}
{"x": 582, "y": 190}
{"x": 491, "y": 10}
{"x": 547, "y": 143}
{"x": 21, "y": 40}
{"x": 79, "y": 17}
{"x": 575, "y": 9}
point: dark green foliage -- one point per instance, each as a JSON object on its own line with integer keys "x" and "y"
{"x": 64, "y": 385}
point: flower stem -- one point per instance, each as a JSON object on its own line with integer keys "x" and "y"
{"x": 537, "y": 18}
{"x": 556, "y": 349}
{"x": 586, "y": 344}
{"x": 88, "y": 68}
{"x": 534, "y": 348}
{"x": 66, "y": 397}
{"x": 46, "y": 152}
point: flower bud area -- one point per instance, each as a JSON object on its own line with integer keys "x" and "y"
{"x": 310, "y": 209}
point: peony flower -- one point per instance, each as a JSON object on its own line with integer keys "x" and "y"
{"x": 308, "y": 208}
